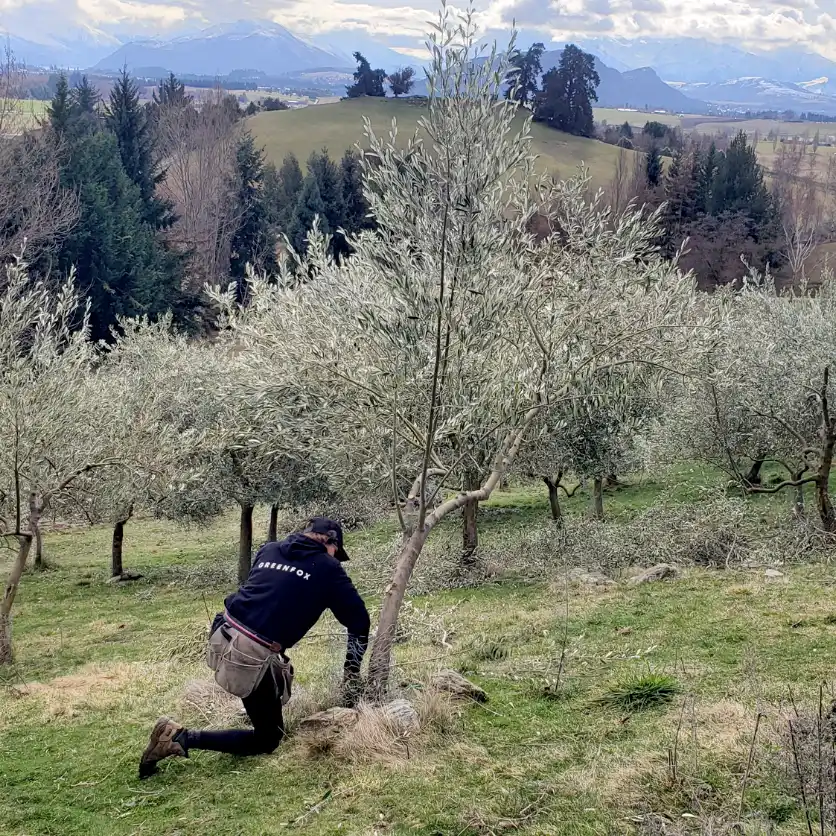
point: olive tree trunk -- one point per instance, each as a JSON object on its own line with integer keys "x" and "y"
{"x": 24, "y": 545}
{"x": 36, "y": 510}
{"x": 117, "y": 541}
{"x": 273, "y": 527}
{"x": 470, "y": 526}
{"x": 753, "y": 477}
{"x": 380, "y": 659}
{"x": 598, "y": 498}
{"x": 38, "y": 539}
{"x": 554, "y": 499}
{"x": 245, "y": 543}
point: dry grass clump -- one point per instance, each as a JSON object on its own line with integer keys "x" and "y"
{"x": 711, "y": 825}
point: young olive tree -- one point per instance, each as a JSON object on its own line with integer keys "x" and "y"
{"x": 159, "y": 388}
{"x": 781, "y": 355}
{"x": 50, "y": 434}
{"x": 449, "y": 328}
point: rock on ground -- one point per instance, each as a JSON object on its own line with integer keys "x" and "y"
{"x": 660, "y": 572}
{"x": 457, "y": 686}
{"x": 401, "y": 713}
{"x": 585, "y": 578}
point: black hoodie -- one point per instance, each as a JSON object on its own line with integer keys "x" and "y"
{"x": 289, "y": 587}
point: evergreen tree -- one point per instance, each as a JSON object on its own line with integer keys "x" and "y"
{"x": 738, "y": 183}
{"x": 682, "y": 191}
{"x": 60, "y": 110}
{"x": 282, "y": 190}
{"x": 653, "y": 167}
{"x": 706, "y": 179}
{"x": 524, "y": 76}
{"x": 119, "y": 262}
{"x": 327, "y": 175}
{"x": 171, "y": 91}
{"x": 626, "y": 130}
{"x": 309, "y": 206}
{"x": 253, "y": 242}
{"x": 402, "y": 81}
{"x": 565, "y": 102}
{"x": 127, "y": 119}
{"x": 355, "y": 206}
{"x": 367, "y": 82}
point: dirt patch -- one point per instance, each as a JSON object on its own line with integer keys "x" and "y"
{"x": 93, "y": 687}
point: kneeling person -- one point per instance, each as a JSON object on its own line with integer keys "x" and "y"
{"x": 289, "y": 587}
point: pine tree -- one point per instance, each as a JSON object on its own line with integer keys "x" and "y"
{"x": 524, "y": 76}
{"x": 283, "y": 194}
{"x": 119, "y": 261}
{"x": 253, "y": 242}
{"x": 706, "y": 179}
{"x": 127, "y": 120}
{"x": 653, "y": 167}
{"x": 355, "y": 206}
{"x": 738, "y": 183}
{"x": 60, "y": 110}
{"x": 568, "y": 91}
{"x": 171, "y": 91}
{"x": 367, "y": 82}
{"x": 328, "y": 179}
{"x": 309, "y": 206}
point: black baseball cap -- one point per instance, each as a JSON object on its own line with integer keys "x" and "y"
{"x": 332, "y": 530}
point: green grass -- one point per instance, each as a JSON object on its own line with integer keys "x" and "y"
{"x": 340, "y": 126}
{"x": 97, "y": 663}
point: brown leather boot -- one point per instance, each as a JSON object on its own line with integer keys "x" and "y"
{"x": 161, "y": 745}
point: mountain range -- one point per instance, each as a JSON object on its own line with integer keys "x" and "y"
{"x": 677, "y": 74}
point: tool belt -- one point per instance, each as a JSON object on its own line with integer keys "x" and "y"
{"x": 241, "y": 659}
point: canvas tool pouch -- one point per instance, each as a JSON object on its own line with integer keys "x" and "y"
{"x": 240, "y": 663}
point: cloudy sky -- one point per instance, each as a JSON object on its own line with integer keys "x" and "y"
{"x": 401, "y": 23}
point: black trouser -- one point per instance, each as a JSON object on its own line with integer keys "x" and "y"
{"x": 264, "y": 708}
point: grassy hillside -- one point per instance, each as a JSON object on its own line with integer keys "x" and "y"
{"x": 340, "y": 126}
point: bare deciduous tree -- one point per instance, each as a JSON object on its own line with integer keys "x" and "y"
{"x": 35, "y": 212}
{"x": 198, "y": 143}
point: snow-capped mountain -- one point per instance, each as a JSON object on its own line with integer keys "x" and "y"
{"x": 764, "y": 94}
{"x": 222, "y": 49}
{"x": 699, "y": 60}
{"x": 74, "y": 48}
{"x": 345, "y": 44}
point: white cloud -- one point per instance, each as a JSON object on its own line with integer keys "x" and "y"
{"x": 764, "y": 23}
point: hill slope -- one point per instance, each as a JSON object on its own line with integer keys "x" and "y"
{"x": 340, "y": 126}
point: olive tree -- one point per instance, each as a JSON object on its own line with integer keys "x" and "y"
{"x": 767, "y": 396}
{"x": 50, "y": 437}
{"x": 160, "y": 389}
{"x": 781, "y": 353}
{"x": 450, "y": 328}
